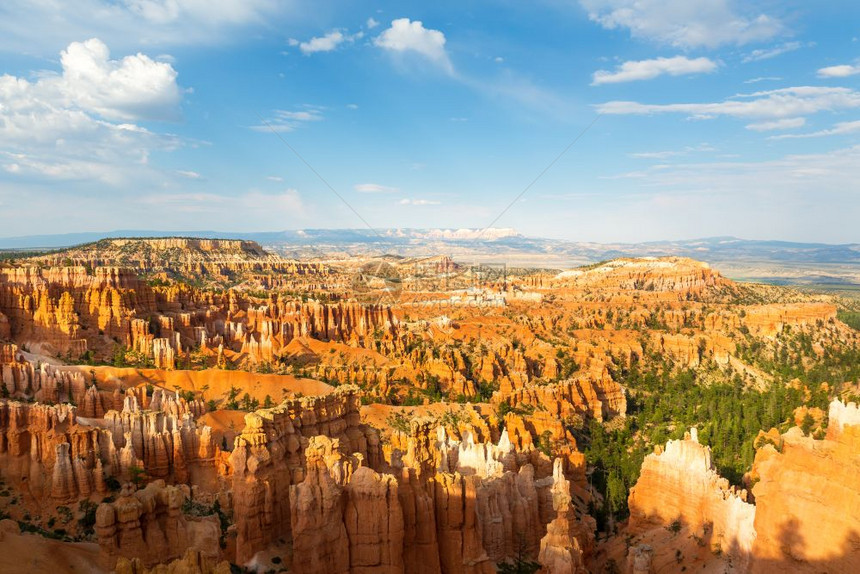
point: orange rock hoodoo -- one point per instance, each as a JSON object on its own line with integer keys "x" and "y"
{"x": 453, "y": 489}
{"x": 804, "y": 518}
{"x": 73, "y": 311}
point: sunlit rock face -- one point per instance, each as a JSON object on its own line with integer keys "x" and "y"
{"x": 804, "y": 519}
{"x": 808, "y": 499}
{"x": 680, "y": 485}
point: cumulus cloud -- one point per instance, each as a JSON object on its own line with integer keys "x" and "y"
{"x": 684, "y": 23}
{"x": 406, "y": 36}
{"x": 841, "y": 71}
{"x": 650, "y": 69}
{"x": 78, "y": 124}
{"x": 372, "y": 23}
{"x": 791, "y": 102}
{"x": 374, "y": 188}
{"x": 326, "y": 43}
{"x": 132, "y": 88}
{"x": 783, "y": 124}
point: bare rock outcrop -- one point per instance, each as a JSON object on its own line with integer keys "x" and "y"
{"x": 808, "y": 499}
{"x": 269, "y": 456}
{"x": 680, "y": 485}
{"x": 149, "y": 525}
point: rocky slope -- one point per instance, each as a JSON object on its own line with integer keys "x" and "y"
{"x": 803, "y": 517}
{"x": 167, "y": 457}
{"x": 807, "y": 495}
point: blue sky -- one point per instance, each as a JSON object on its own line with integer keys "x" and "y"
{"x": 716, "y": 117}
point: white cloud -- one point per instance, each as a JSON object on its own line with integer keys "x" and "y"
{"x": 131, "y": 88}
{"x": 352, "y": 106}
{"x": 762, "y": 79}
{"x": 287, "y": 121}
{"x": 325, "y": 43}
{"x": 842, "y": 71}
{"x": 405, "y": 201}
{"x": 275, "y": 178}
{"x": 63, "y": 126}
{"x": 782, "y": 103}
{"x": 188, "y": 174}
{"x": 841, "y": 128}
{"x": 666, "y": 154}
{"x": 650, "y": 69}
{"x": 405, "y": 35}
{"x": 684, "y": 23}
{"x": 45, "y": 26}
{"x": 371, "y": 23}
{"x": 375, "y": 188}
{"x": 767, "y": 53}
{"x": 782, "y": 124}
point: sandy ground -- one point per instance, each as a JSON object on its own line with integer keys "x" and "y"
{"x": 217, "y": 381}
{"x": 30, "y": 553}
{"x": 224, "y": 424}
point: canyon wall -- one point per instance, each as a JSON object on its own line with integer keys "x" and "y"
{"x": 72, "y": 310}
{"x": 804, "y": 518}
{"x": 309, "y": 472}
{"x": 680, "y": 485}
{"x": 807, "y": 496}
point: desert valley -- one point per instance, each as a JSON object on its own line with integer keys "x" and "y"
{"x": 194, "y": 405}
{"x": 387, "y": 287}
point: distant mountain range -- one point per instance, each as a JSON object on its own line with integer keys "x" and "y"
{"x": 774, "y": 261}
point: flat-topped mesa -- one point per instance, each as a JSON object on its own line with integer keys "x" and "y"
{"x": 664, "y": 274}
{"x": 807, "y": 495}
{"x": 224, "y": 261}
{"x": 221, "y": 246}
{"x": 679, "y": 484}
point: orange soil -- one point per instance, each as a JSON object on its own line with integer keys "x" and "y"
{"x": 219, "y": 382}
